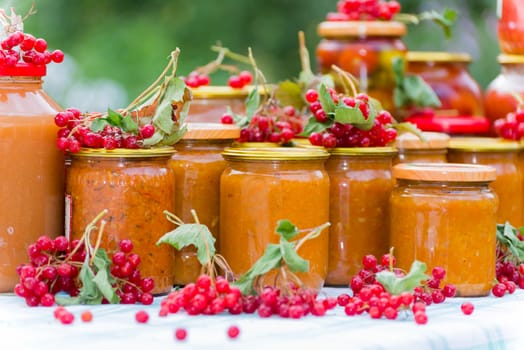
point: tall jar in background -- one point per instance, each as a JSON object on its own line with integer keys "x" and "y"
{"x": 365, "y": 49}
{"x": 135, "y": 186}
{"x": 198, "y": 165}
{"x": 211, "y": 102}
{"x": 262, "y": 186}
{"x": 360, "y": 185}
{"x": 32, "y": 185}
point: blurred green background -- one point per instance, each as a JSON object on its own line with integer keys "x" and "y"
{"x": 115, "y": 48}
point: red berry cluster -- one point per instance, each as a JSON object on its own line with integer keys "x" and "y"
{"x": 267, "y": 129}
{"x": 364, "y": 10}
{"x": 511, "y": 127}
{"x": 54, "y": 267}
{"x": 31, "y": 50}
{"x": 509, "y": 276}
{"x": 370, "y": 296}
{"x": 195, "y": 79}
{"x": 348, "y": 135}
{"x": 75, "y": 133}
{"x": 239, "y": 81}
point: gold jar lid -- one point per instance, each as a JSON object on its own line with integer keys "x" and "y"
{"x": 433, "y": 140}
{"x": 445, "y": 172}
{"x": 510, "y": 59}
{"x": 361, "y": 28}
{"x": 210, "y": 92}
{"x": 211, "y": 131}
{"x": 438, "y": 56}
{"x": 253, "y": 144}
{"x": 363, "y": 151}
{"x": 125, "y": 152}
{"x": 276, "y": 153}
{"x": 483, "y": 144}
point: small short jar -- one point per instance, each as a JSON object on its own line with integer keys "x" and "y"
{"x": 366, "y": 49}
{"x": 411, "y": 149}
{"x": 448, "y": 75}
{"x": 445, "y": 215}
{"x": 503, "y": 155}
{"x": 262, "y": 186}
{"x": 360, "y": 185}
{"x": 135, "y": 186}
{"x": 197, "y": 166}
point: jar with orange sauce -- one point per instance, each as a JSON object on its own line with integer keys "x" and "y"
{"x": 209, "y": 103}
{"x": 198, "y": 165}
{"x": 511, "y": 26}
{"x": 32, "y": 185}
{"x": 262, "y": 186}
{"x": 445, "y": 215}
{"x": 503, "y": 155}
{"x": 499, "y": 97}
{"x": 135, "y": 186}
{"x": 411, "y": 149}
{"x": 365, "y": 49}
{"x": 360, "y": 185}
{"x": 448, "y": 75}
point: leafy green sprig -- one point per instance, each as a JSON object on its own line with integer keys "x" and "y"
{"x": 445, "y": 20}
{"x": 509, "y": 243}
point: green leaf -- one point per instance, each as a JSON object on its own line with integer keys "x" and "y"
{"x": 328, "y": 105}
{"x": 239, "y": 120}
{"x": 286, "y": 229}
{"x": 162, "y": 118}
{"x": 289, "y": 93}
{"x": 396, "y": 285}
{"x": 353, "y": 115}
{"x": 129, "y": 125}
{"x": 157, "y": 137}
{"x": 98, "y": 124}
{"x": 419, "y": 92}
{"x": 411, "y": 128}
{"x": 252, "y": 103}
{"x": 507, "y": 236}
{"x": 67, "y": 301}
{"x": 444, "y": 20}
{"x": 293, "y": 261}
{"x": 103, "y": 278}
{"x": 313, "y": 125}
{"x": 399, "y": 68}
{"x": 197, "y": 235}
{"x": 114, "y": 118}
{"x": 306, "y": 78}
{"x": 271, "y": 259}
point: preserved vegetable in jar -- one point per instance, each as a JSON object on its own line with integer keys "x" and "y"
{"x": 511, "y": 26}
{"x": 432, "y": 211}
{"x": 411, "y": 149}
{"x": 32, "y": 185}
{"x": 135, "y": 186}
{"x": 366, "y": 49}
{"x": 448, "y": 75}
{"x": 360, "y": 185}
{"x": 198, "y": 165}
{"x": 503, "y": 155}
{"x": 262, "y": 186}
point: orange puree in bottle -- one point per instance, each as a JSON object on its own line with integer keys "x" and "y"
{"x": 197, "y": 166}
{"x": 32, "y": 184}
{"x": 361, "y": 182}
{"x": 445, "y": 215}
{"x": 135, "y": 186}
{"x": 260, "y": 187}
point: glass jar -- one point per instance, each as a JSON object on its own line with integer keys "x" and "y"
{"x": 32, "y": 185}
{"x": 448, "y": 75}
{"x": 135, "y": 186}
{"x": 411, "y": 149}
{"x": 445, "y": 215}
{"x": 209, "y": 103}
{"x": 366, "y": 50}
{"x": 511, "y": 26}
{"x": 502, "y": 155}
{"x": 197, "y": 165}
{"x": 262, "y": 186}
{"x": 499, "y": 99}
{"x": 360, "y": 185}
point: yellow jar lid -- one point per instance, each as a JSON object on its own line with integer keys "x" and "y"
{"x": 438, "y": 56}
{"x": 510, "y": 59}
{"x": 224, "y": 92}
{"x": 276, "y": 153}
{"x": 255, "y": 145}
{"x": 483, "y": 144}
{"x": 361, "y": 28}
{"x": 125, "y": 152}
{"x": 211, "y": 131}
{"x": 433, "y": 140}
{"x": 446, "y": 172}
{"x": 362, "y": 151}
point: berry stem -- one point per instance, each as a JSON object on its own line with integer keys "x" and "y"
{"x": 228, "y": 53}
{"x": 348, "y": 80}
{"x": 314, "y": 233}
{"x": 98, "y": 240}
{"x": 304, "y": 54}
{"x": 88, "y": 229}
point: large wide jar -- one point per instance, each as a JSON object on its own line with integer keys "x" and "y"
{"x": 433, "y": 148}
{"x": 262, "y": 186}
{"x": 502, "y": 155}
{"x": 511, "y": 26}
{"x": 135, "y": 186}
{"x": 366, "y": 50}
{"x": 209, "y": 103}
{"x": 499, "y": 99}
{"x": 198, "y": 165}
{"x": 360, "y": 185}
{"x": 445, "y": 215}
{"x": 448, "y": 75}
{"x": 32, "y": 184}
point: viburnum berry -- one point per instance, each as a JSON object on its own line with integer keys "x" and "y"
{"x": 235, "y": 82}
{"x": 86, "y": 316}
{"x": 467, "y": 308}
{"x": 180, "y": 334}
{"x": 142, "y": 316}
{"x": 226, "y": 119}
{"x": 233, "y": 332}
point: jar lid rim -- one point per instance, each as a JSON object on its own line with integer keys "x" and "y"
{"x": 363, "y": 151}
{"x": 446, "y": 172}
{"x": 483, "y": 144}
{"x": 438, "y": 56}
{"x": 211, "y": 131}
{"x": 433, "y": 140}
{"x": 125, "y": 152}
{"x": 223, "y": 92}
{"x": 510, "y": 59}
{"x": 361, "y": 28}
{"x": 275, "y": 153}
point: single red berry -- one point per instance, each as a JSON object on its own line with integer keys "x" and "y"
{"x": 142, "y": 316}
{"x": 467, "y": 308}
{"x": 40, "y": 45}
{"x": 499, "y": 290}
{"x": 66, "y": 317}
{"x": 203, "y": 281}
{"x": 369, "y": 262}
{"x": 86, "y": 316}
{"x": 203, "y": 80}
{"x": 147, "y": 131}
{"x": 28, "y": 43}
{"x": 180, "y": 334}
{"x": 390, "y": 313}
{"x": 47, "y": 300}
{"x": 387, "y": 260}
{"x": 289, "y": 111}
{"x": 235, "y": 82}
{"x": 226, "y": 119}
{"x": 421, "y": 317}
{"x": 126, "y": 245}
{"x": 438, "y": 273}
{"x": 419, "y": 306}
{"x": 57, "y": 56}
{"x": 311, "y": 96}
{"x": 233, "y": 332}
{"x": 246, "y": 77}
{"x": 449, "y": 290}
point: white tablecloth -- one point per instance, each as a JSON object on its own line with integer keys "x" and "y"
{"x": 496, "y": 323}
